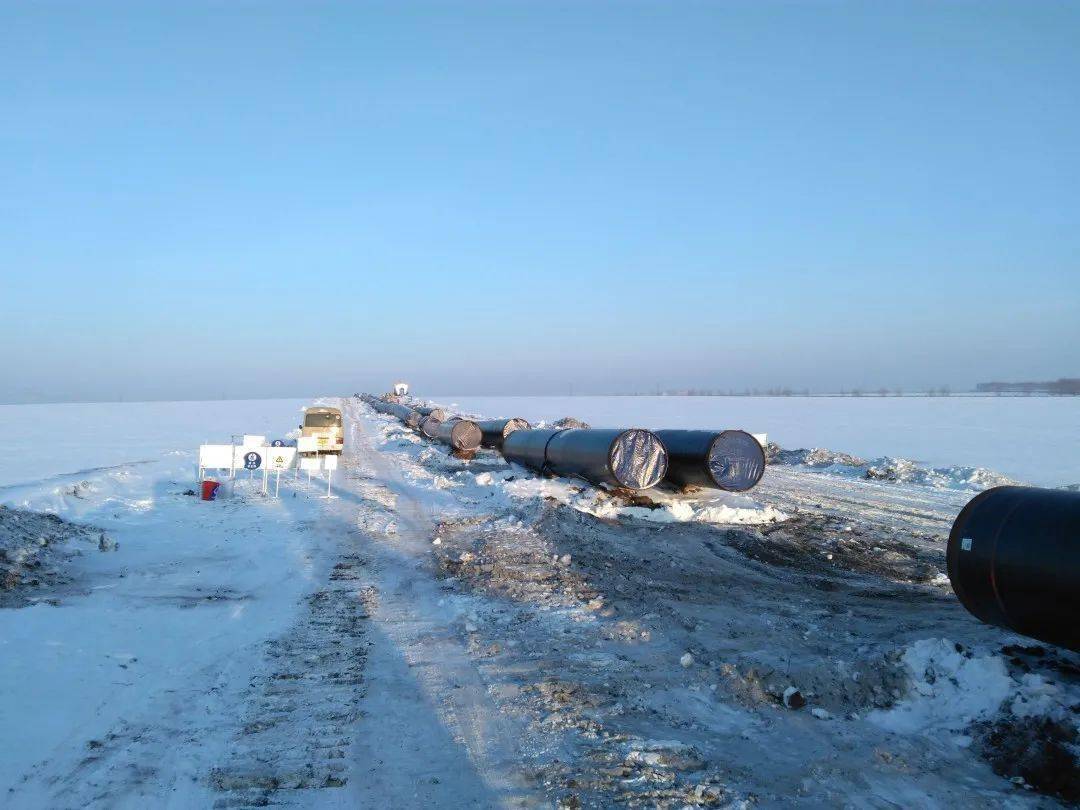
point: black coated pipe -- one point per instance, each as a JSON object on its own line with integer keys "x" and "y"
{"x": 631, "y": 459}
{"x": 380, "y": 406}
{"x": 496, "y": 430}
{"x": 429, "y": 426}
{"x": 427, "y": 410}
{"x": 529, "y": 447}
{"x": 460, "y": 434}
{"x": 403, "y": 412}
{"x": 1014, "y": 561}
{"x": 732, "y": 460}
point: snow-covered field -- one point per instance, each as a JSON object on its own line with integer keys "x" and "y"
{"x": 463, "y": 633}
{"x": 65, "y": 439}
{"x": 1030, "y": 439}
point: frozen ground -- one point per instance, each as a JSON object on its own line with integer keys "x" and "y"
{"x": 462, "y": 633}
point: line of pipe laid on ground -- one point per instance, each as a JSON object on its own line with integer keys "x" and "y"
{"x": 635, "y": 458}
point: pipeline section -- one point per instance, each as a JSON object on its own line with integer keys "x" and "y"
{"x": 731, "y": 460}
{"x": 629, "y": 459}
{"x": 495, "y": 431}
{"x": 1014, "y": 561}
{"x": 438, "y": 413}
{"x": 462, "y": 435}
{"x": 429, "y": 426}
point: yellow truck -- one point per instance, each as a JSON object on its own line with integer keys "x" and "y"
{"x": 325, "y": 426}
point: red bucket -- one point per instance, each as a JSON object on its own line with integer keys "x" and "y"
{"x": 209, "y": 490}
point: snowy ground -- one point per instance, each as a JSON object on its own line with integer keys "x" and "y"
{"x": 466, "y": 634}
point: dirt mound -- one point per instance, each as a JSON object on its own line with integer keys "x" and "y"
{"x": 814, "y": 457}
{"x": 1033, "y": 752}
{"x": 34, "y": 548}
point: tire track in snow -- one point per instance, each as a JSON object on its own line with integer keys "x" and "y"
{"x": 302, "y": 708}
{"x": 421, "y": 659}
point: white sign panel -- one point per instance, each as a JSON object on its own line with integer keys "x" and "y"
{"x": 279, "y": 458}
{"x": 216, "y": 456}
{"x": 309, "y": 463}
{"x": 329, "y": 462}
{"x": 307, "y": 444}
{"x": 238, "y": 456}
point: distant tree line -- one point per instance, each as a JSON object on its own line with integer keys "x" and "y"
{"x": 1066, "y": 386}
{"x": 785, "y": 392}
{"x": 1061, "y": 387}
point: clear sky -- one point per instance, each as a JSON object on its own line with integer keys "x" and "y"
{"x": 232, "y": 198}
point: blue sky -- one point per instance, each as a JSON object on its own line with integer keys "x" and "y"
{"x": 257, "y": 199}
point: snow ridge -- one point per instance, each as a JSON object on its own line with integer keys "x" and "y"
{"x": 887, "y": 468}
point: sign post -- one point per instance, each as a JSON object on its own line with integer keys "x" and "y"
{"x": 252, "y": 462}
{"x": 280, "y": 458}
{"x": 309, "y": 463}
{"x": 234, "y": 441}
{"x": 307, "y": 444}
{"x": 329, "y": 464}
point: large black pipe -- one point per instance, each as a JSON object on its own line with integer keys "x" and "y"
{"x": 406, "y": 414}
{"x": 732, "y": 460}
{"x": 429, "y": 426}
{"x": 496, "y": 430}
{"x": 529, "y": 447}
{"x": 631, "y": 459}
{"x": 460, "y": 434}
{"x": 427, "y": 410}
{"x": 379, "y": 405}
{"x": 1014, "y": 561}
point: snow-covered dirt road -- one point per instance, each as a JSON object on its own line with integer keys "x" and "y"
{"x": 463, "y": 633}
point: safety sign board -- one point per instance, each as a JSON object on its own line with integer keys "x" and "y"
{"x": 216, "y": 456}
{"x": 280, "y": 458}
